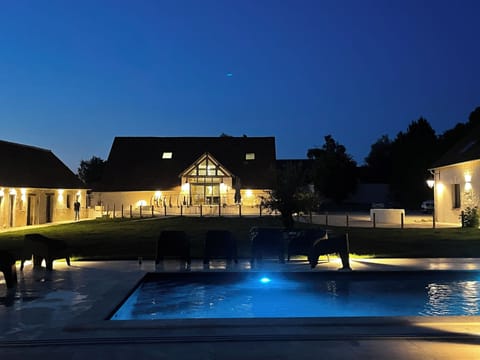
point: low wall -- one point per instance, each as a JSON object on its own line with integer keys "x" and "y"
{"x": 387, "y": 216}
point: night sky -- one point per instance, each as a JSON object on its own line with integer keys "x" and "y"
{"x": 75, "y": 74}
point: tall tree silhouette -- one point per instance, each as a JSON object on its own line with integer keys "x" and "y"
{"x": 90, "y": 171}
{"x": 379, "y": 160}
{"x": 335, "y": 175}
{"x": 413, "y": 152}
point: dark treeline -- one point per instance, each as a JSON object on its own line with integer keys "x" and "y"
{"x": 404, "y": 161}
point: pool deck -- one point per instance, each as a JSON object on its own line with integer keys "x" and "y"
{"x": 61, "y": 314}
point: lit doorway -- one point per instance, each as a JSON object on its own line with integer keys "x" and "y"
{"x": 49, "y": 208}
{"x": 12, "y": 210}
{"x": 205, "y": 178}
{"x": 31, "y": 209}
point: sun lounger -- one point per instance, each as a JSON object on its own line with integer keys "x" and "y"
{"x": 267, "y": 242}
{"x": 220, "y": 244}
{"x": 7, "y": 266}
{"x": 173, "y": 243}
{"x": 332, "y": 245}
{"x": 44, "y": 248}
{"x": 300, "y": 242}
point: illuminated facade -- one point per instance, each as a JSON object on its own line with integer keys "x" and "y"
{"x": 181, "y": 174}
{"x": 456, "y": 178}
{"x": 36, "y": 187}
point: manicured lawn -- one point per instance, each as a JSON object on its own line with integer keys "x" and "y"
{"x": 130, "y": 239}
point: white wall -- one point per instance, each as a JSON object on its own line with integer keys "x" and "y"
{"x": 445, "y": 178}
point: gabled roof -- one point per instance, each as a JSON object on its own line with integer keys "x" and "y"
{"x": 28, "y": 166}
{"x": 466, "y": 149}
{"x": 207, "y": 157}
{"x": 136, "y": 163}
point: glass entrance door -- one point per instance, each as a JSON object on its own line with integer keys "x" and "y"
{"x": 205, "y": 194}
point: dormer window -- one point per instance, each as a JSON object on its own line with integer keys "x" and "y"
{"x": 250, "y": 156}
{"x": 167, "y": 155}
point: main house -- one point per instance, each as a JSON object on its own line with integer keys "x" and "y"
{"x": 35, "y": 187}
{"x": 186, "y": 173}
{"x": 456, "y": 178}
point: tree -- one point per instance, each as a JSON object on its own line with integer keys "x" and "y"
{"x": 90, "y": 171}
{"x": 335, "y": 172}
{"x": 474, "y": 117}
{"x": 413, "y": 153}
{"x": 379, "y": 160}
{"x": 450, "y": 137}
{"x": 291, "y": 193}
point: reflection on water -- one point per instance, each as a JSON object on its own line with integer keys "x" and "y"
{"x": 210, "y": 296}
{"x": 447, "y": 298}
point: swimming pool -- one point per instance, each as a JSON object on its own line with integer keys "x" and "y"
{"x": 213, "y": 295}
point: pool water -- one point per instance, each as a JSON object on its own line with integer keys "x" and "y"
{"x": 212, "y": 295}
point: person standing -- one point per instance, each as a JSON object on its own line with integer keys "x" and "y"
{"x": 76, "y": 207}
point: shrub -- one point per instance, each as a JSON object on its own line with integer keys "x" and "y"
{"x": 470, "y": 217}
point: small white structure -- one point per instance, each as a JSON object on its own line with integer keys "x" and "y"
{"x": 387, "y": 216}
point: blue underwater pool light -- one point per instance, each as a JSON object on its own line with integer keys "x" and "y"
{"x": 265, "y": 280}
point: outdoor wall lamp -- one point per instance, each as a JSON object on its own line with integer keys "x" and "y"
{"x": 468, "y": 182}
{"x": 60, "y": 195}
{"x": 430, "y": 183}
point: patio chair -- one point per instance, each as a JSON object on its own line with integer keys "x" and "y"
{"x": 44, "y": 248}
{"x": 332, "y": 245}
{"x": 173, "y": 243}
{"x": 220, "y": 244}
{"x": 267, "y": 242}
{"x": 8, "y": 268}
{"x": 300, "y": 242}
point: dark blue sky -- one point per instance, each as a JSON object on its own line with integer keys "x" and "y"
{"x": 75, "y": 74}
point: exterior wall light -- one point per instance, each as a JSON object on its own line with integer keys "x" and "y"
{"x": 430, "y": 183}
{"x": 60, "y": 195}
{"x": 440, "y": 188}
{"x": 248, "y": 193}
{"x": 223, "y": 188}
{"x": 185, "y": 187}
{"x": 2, "y": 193}
{"x": 468, "y": 182}
{"x": 158, "y": 195}
{"x": 13, "y": 192}
{"x": 24, "y": 194}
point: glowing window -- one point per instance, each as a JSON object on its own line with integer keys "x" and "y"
{"x": 167, "y": 155}
{"x": 250, "y": 156}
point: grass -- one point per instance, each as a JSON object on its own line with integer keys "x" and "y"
{"x": 130, "y": 239}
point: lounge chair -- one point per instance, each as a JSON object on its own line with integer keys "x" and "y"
{"x": 173, "y": 243}
{"x": 44, "y": 248}
{"x": 267, "y": 241}
{"x": 301, "y": 242}
{"x": 332, "y": 245}
{"x": 220, "y": 244}
{"x": 8, "y": 268}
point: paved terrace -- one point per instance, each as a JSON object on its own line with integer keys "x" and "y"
{"x": 62, "y": 315}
